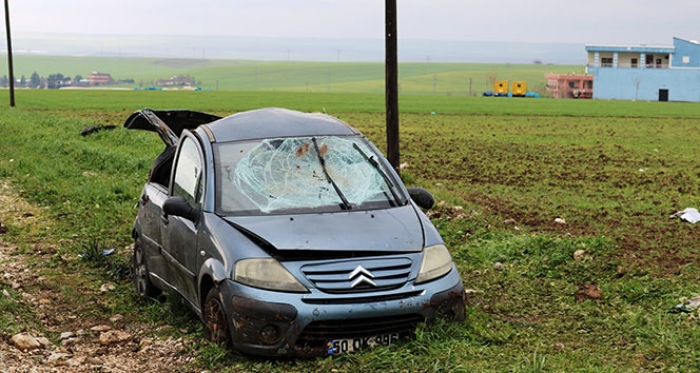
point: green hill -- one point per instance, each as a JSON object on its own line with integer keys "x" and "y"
{"x": 283, "y": 76}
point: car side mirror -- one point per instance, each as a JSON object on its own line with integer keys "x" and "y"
{"x": 421, "y": 197}
{"x": 178, "y": 206}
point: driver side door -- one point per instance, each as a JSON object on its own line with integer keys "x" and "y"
{"x": 179, "y": 234}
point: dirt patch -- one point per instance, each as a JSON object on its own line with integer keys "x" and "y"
{"x": 53, "y": 336}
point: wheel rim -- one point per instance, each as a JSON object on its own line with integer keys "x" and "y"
{"x": 215, "y": 321}
{"x": 141, "y": 272}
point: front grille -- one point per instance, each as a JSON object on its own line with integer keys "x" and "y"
{"x": 359, "y": 276}
{"x": 362, "y": 299}
{"x": 318, "y": 333}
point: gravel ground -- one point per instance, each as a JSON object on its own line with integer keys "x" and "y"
{"x": 82, "y": 345}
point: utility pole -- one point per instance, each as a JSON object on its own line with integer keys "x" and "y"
{"x": 9, "y": 54}
{"x": 392, "y": 84}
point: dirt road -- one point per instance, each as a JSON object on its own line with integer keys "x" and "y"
{"x": 41, "y": 333}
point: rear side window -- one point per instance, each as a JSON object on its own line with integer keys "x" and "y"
{"x": 188, "y": 172}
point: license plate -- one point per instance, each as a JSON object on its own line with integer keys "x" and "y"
{"x": 341, "y": 346}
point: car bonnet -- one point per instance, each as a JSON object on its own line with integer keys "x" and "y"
{"x": 392, "y": 230}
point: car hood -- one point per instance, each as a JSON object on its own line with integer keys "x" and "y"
{"x": 392, "y": 230}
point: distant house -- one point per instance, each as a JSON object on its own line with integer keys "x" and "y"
{"x": 569, "y": 85}
{"x": 98, "y": 78}
{"x": 643, "y": 72}
{"x": 176, "y": 81}
{"x": 56, "y": 81}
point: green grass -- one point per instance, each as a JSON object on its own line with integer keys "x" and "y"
{"x": 444, "y": 79}
{"x": 505, "y": 169}
{"x": 502, "y": 112}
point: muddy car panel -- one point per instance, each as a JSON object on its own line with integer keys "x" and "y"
{"x": 298, "y": 326}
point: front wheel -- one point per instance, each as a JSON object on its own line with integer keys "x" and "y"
{"x": 142, "y": 278}
{"x": 215, "y": 320}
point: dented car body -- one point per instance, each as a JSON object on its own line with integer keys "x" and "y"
{"x": 288, "y": 234}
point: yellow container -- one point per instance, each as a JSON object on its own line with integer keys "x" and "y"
{"x": 500, "y": 86}
{"x": 519, "y": 88}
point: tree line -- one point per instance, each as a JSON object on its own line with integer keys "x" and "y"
{"x": 53, "y": 81}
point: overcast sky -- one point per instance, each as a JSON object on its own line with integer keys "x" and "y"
{"x": 587, "y": 22}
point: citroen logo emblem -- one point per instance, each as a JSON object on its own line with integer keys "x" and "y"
{"x": 361, "y": 275}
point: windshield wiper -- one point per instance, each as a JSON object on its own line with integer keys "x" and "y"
{"x": 345, "y": 204}
{"x": 376, "y": 166}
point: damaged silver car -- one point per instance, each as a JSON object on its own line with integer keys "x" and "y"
{"x": 288, "y": 233}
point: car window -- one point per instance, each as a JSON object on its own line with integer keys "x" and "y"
{"x": 301, "y": 174}
{"x": 188, "y": 172}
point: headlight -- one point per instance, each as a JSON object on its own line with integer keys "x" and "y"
{"x": 436, "y": 262}
{"x": 266, "y": 274}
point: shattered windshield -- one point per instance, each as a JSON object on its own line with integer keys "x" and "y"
{"x": 301, "y": 174}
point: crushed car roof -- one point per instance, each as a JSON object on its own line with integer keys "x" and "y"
{"x": 247, "y": 125}
{"x": 276, "y": 122}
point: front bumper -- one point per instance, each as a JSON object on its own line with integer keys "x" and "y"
{"x": 284, "y": 324}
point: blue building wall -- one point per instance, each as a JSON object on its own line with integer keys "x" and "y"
{"x": 687, "y": 54}
{"x": 644, "y": 84}
{"x": 681, "y": 80}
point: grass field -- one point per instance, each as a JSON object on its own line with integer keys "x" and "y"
{"x": 230, "y": 102}
{"x": 556, "y": 212}
{"x": 460, "y": 79}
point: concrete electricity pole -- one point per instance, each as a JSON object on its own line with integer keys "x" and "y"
{"x": 392, "y": 85}
{"x": 9, "y": 54}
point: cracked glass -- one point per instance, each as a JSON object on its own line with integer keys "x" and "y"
{"x": 301, "y": 174}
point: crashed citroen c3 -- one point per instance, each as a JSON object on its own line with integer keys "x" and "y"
{"x": 288, "y": 233}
